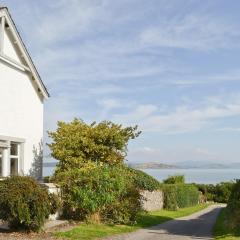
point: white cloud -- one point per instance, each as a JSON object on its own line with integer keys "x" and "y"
{"x": 109, "y": 103}
{"x": 198, "y": 32}
{"x": 183, "y": 119}
{"x": 138, "y": 114}
{"x": 68, "y": 20}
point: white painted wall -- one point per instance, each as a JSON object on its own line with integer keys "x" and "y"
{"x": 21, "y": 107}
{"x": 21, "y": 104}
{"x": 9, "y": 47}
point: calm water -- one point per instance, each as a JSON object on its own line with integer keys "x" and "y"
{"x": 191, "y": 175}
{"x": 197, "y": 175}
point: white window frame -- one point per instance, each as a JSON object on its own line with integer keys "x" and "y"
{"x": 5, "y": 142}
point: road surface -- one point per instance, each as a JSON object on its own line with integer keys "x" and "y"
{"x": 196, "y": 226}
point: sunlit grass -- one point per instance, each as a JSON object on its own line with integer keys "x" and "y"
{"x": 93, "y": 231}
{"x": 222, "y": 232}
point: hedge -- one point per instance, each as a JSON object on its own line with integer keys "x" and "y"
{"x": 233, "y": 207}
{"x": 180, "y": 196}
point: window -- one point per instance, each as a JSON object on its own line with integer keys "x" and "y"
{"x": 11, "y": 155}
{"x": 14, "y": 149}
{"x": 14, "y": 158}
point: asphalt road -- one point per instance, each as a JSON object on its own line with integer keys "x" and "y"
{"x": 196, "y": 226}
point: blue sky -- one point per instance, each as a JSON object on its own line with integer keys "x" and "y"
{"x": 172, "y": 67}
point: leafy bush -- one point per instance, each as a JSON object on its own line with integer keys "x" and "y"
{"x": 143, "y": 181}
{"x": 217, "y": 193}
{"x": 99, "y": 193}
{"x": 177, "y": 179}
{"x": 223, "y": 192}
{"x": 180, "y": 196}
{"x": 24, "y": 204}
{"x": 208, "y": 190}
{"x": 77, "y": 142}
{"x": 233, "y": 207}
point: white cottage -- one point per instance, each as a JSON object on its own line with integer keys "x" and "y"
{"x": 22, "y": 94}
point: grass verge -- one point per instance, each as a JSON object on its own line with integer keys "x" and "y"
{"x": 222, "y": 232}
{"x": 93, "y": 231}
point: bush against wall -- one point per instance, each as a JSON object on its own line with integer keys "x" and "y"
{"x": 24, "y": 204}
{"x": 100, "y": 193}
{"x": 143, "y": 181}
{"x": 180, "y": 196}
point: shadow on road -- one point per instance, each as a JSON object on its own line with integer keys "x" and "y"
{"x": 200, "y": 227}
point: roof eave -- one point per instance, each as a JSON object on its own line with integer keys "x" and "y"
{"x": 34, "y": 71}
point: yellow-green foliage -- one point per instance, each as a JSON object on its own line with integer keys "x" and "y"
{"x": 77, "y": 143}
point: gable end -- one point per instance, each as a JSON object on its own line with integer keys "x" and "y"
{"x": 6, "y": 22}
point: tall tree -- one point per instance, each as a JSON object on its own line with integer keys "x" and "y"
{"x": 77, "y": 143}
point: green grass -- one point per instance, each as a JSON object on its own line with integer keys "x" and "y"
{"x": 222, "y": 232}
{"x": 93, "y": 231}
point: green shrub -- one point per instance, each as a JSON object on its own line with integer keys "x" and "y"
{"x": 217, "y": 193}
{"x": 102, "y": 193}
{"x": 24, "y": 204}
{"x": 177, "y": 179}
{"x": 180, "y": 196}
{"x": 208, "y": 190}
{"x": 143, "y": 181}
{"x": 223, "y": 192}
{"x": 233, "y": 207}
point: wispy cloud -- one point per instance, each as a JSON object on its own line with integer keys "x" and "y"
{"x": 183, "y": 119}
{"x": 169, "y": 66}
{"x": 197, "y": 32}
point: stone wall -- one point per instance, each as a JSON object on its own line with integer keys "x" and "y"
{"x": 152, "y": 200}
{"x": 53, "y": 188}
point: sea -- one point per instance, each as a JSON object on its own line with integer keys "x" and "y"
{"x": 206, "y": 176}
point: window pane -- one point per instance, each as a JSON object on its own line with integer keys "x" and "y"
{"x": 14, "y": 149}
{"x": 14, "y": 166}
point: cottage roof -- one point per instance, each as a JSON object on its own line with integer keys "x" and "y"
{"x": 25, "y": 54}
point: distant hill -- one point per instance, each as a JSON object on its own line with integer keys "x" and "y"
{"x": 186, "y": 165}
{"x": 207, "y": 165}
{"x": 177, "y": 165}
{"x": 151, "y": 165}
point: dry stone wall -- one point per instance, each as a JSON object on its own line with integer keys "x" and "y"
{"x": 152, "y": 201}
